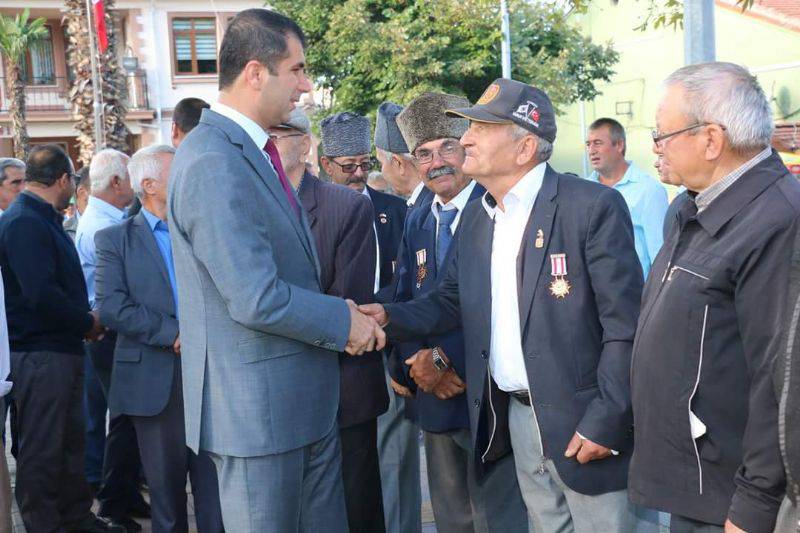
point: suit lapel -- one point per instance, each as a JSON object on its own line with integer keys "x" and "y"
{"x": 145, "y": 234}
{"x": 481, "y": 238}
{"x": 307, "y": 192}
{"x": 531, "y": 257}
{"x": 427, "y": 238}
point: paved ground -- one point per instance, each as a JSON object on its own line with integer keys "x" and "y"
{"x": 427, "y": 514}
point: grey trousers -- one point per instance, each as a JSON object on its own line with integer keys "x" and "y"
{"x": 680, "y": 524}
{"x": 398, "y": 451}
{"x": 5, "y": 491}
{"x": 788, "y": 518}
{"x": 460, "y": 504}
{"x": 552, "y": 506}
{"x": 296, "y": 491}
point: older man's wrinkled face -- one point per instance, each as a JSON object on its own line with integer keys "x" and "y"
{"x": 11, "y": 186}
{"x": 440, "y": 164}
{"x": 490, "y": 149}
{"x": 351, "y": 171}
{"x": 684, "y": 154}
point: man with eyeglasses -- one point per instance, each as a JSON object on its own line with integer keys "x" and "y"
{"x": 341, "y": 223}
{"x": 433, "y": 366}
{"x": 347, "y": 147}
{"x": 707, "y": 433}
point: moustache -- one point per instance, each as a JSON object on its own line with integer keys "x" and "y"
{"x": 441, "y": 171}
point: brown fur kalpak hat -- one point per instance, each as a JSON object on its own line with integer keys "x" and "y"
{"x": 423, "y": 120}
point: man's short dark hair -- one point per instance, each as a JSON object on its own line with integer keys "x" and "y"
{"x": 81, "y": 177}
{"x": 186, "y": 114}
{"x": 615, "y": 129}
{"x": 46, "y": 164}
{"x": 255, "y": 34}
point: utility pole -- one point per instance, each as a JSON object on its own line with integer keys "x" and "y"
{"x": 98, "y": 103}
{"x": 506, "y": 43}
{"x": 698, "y": 31}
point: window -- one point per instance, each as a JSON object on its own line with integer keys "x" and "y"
{"x": 194, "y": 44}
{"x": 37, "y": 65}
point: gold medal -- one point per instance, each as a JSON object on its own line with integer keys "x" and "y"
{"x": 422, "y": 271}
{"x": 560, "y": 287}
{"x": 539, "y": 238}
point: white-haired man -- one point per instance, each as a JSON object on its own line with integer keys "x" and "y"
{"x": 706, "y": 414}
{"x": 137, "y": 297}
{"x": 111, "y": 194}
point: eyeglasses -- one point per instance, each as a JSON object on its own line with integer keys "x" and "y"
{"x": 349, "y": 168}
{"x": 279, "y": 137}
{"x": 659, "y": 137}
{"x": 445, "y": 151}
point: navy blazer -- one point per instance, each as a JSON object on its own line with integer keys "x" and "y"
{"x": 577, "y": 348}
{"x": 390, "y": 215}
{"x": 341, "y": 223}
{"x": 415, "y": 279}
{"x": 134, "y": 298}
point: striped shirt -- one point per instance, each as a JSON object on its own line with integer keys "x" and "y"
{"x": 705, "y": 198}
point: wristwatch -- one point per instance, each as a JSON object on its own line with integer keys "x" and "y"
{"x": 438, "y": 361}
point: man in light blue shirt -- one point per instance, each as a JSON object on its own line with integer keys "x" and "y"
{"x": 645, "y": 196}
{"x": 111, "y": 193}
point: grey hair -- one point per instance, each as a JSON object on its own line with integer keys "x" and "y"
{"x": 544, "y": 148}
{"x": 728, "y": 95}
{"x": 105, "y": 165}
{"x": 9, "y": 162}
{"x": 388, "y": 155}
{"x": 145, "y": 164}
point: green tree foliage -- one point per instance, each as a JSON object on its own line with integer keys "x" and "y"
{"x": 369, "y": 51}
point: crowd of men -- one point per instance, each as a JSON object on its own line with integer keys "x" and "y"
{"x": 578, "y": 354}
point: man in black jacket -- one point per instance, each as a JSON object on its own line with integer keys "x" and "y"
{"x": 706, "y": 414}
{"x": 48, "y": 318}
{"x": 341, "y": 222}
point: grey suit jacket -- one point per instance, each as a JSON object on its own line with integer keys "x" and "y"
{"x": 259, "y": 340}
{"x": 134, "y": 298}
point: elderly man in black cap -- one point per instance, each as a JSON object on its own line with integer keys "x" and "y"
{"x": 397, "y": 165}
{"x": 434, "y": 366}
{"x": 544, "y": 281}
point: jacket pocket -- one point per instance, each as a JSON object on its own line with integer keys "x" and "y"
{"x": 266, "y": 347}
{"x": 128, "y": 355}
{"x": 691, "y": 398}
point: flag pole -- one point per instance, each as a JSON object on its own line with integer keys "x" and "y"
{"x": 98, "y": 104}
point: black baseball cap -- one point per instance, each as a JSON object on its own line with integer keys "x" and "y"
{"x": 508, "y": 101}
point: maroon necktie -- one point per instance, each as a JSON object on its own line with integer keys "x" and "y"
{"x": 274, "y": 156}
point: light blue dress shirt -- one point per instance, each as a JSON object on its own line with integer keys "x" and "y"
{"x": 97, "y": 215}
{"x": 161, "y": 233}
{"x": 647, "y": 203}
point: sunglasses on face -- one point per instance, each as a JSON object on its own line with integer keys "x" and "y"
{"x": 349, "y": 168}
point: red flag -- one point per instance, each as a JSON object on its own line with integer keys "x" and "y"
{"x": 100, "y": 25}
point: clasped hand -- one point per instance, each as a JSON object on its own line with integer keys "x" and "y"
{"x": 366, "y": 333}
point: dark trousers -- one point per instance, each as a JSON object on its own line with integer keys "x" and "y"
{"x": 121, "y": 461}
{"x": 167, "y": 460}
{"x": 94, "y": 413}
{"x": 51, "y": 490}
{"x": 681, "y": 524}
{"x": 362, "y": 477}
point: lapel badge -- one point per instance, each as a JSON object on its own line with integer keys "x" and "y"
{"x": 394, "y": 266}
{"x": 560, "y": 286}
{"x": 383, "y": 217}
{"x": 539, "y": 238}
{"x": 422, "y": 270}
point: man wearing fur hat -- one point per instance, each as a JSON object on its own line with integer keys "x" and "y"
{"x": 434, "y": 365}
{"x": 347, "y": 145}
{"x": 397, "y": 165}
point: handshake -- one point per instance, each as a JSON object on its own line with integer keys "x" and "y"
{"x": 366, "y": 328}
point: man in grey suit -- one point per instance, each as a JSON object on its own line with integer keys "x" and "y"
{"x": 259, "y": 340}
{"x": 136, "y": 295}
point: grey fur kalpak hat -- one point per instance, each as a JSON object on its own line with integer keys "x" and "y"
{"x": 387, "y": 134}
{"x": 346, "y": 134}
{"x": 298, "y": 120}
{"x": 424, "y": 119}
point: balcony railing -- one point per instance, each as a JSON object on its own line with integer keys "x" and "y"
{"x": 52, "y": 94}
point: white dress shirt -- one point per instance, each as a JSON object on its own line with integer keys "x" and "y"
{"x": 415, "y": 194}
{"x": 250, "y": 127}
{"x": 377, "y": 285}
{"x": 506, "y": 361}
{"x": 458, "y": 202}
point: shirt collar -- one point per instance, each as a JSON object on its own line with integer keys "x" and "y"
{"x": 253, "y": 130}
{"x": 415, "y": 194}
{"x": 105, "y": 208}
{"x": 365, "y": 192}
{"x": 523, "y": 193}
{"x": 458, "y": 202}
{"x": 152, "y": 220}
{"x": 704, "y": 198}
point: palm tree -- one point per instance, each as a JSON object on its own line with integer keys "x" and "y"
{"x": 16, "y": 35}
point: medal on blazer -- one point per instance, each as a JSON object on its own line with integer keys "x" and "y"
{"x": 560, "y": 286}
{"x": 383, "y": 217}
{"x": 422, "y": 270}
{"x": 539, "y": 243}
